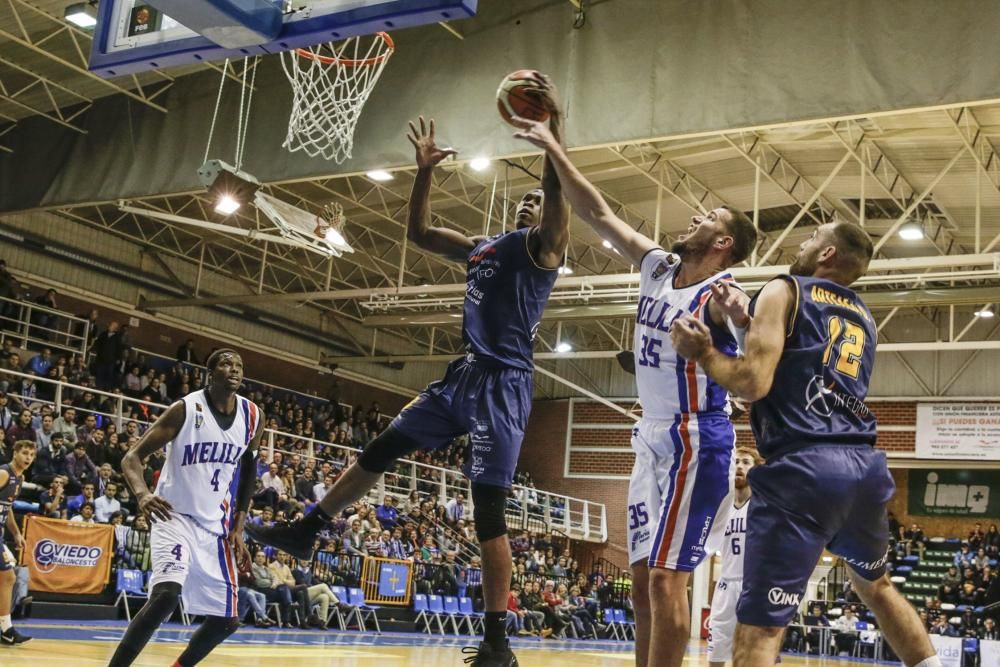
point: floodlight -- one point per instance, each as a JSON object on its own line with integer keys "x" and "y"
{"x": 81, "y": 14}
{"x": 229, "y": 186}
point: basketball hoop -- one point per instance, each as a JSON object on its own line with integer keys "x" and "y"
{"x": 330, "y": 85}
{"x": 322, "y": 233}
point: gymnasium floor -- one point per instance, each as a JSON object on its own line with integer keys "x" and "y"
{"x": 74, "y": 644}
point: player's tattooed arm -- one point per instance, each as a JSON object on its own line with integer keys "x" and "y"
{"x": 585, "y": 199}
{"x": 749, "y": 376}
{"x": 159, "y": 434}
{"x": 439, "y": 240}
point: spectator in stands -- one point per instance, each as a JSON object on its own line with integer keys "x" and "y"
{"x": 20, "y": 430}
{"x": 963, "y": 556}
{"x": 386, "y": 513}
{"x": 265, "y": 581}
{"x": 354, "y": 539}
{"x": 10, "y": 290}
{"x": 304, "y": 487}
{"x": 969, "y": 595}
{"x": 6, "y": 416}
{"x": 941, "y": 626}
{"x": 86, "y": 514}
{"x": 107, "y": 350}
{"x": 914, "y": 538}
{"x": 516, "y": 616}
{"x": 583, "y": 619}
{"x": 186, "y": 354}
{"x": 989, "y": 630}
{"x": 79, "y": 468}
{"x": 847, "y": 631}
{"x": 816, "y": 637}
{"x": 283, "y": 575}
{"x": 951, "y": 577}
{"x": 456, "y": 508}
{"x": 992, "y": 540}
{"x": 107, "y": 505}
{"x": 318, "y": 593}
{"x": 324, "y": 484}
{"x": 43, "y": 434}
{"x": 136, "y": 543}
{"x": 248, "y": 598}
{"x": 976, "y": 537}
{"x": 53, "y": 501}
{"x": 51, "y": 459}
{"x": 40, "y": 363}
{"x": 96, "y": 448}
{"x": 66, "y": 424}
{"x": 532, "y": 601}
{"x": 948, "y": 594}
{"x": 981, "y": 560}
{"x": 86, "y": 495}
{"x": 45, "y": 321}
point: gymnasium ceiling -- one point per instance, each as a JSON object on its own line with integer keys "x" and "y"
{"x": 937, "y": 168}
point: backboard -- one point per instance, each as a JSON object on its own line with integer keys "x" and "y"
{"x": 135, "y": 36}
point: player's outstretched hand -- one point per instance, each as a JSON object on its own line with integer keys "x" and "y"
{"x": 19, "y": 543}
{"x": 428, "y": 154}
{"x": 691, "y": 338}
{"x": 239, "y": 546}
{"x": 534, "y": 132}
{"x": 546, "y": 93}
{"x": 731, "y": 302}
{"x": 155, "y": 507}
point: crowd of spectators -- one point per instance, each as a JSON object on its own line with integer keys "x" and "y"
{"x": 77, "y": 476}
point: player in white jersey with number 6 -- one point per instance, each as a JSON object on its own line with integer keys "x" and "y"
{"x": 198, "y": 509}
{"x": 684, "y": 443}
{"x": 722, "y": 622}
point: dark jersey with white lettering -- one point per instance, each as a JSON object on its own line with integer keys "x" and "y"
{"x": 821, "y": 381}
{"x": 8, "y": 494}
{"x": 505, "y": 294}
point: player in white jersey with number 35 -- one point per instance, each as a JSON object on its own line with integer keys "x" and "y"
{"x": 198, "y": 509}
{"x": 684, "y": 443}
{"x": 722, "y": 622}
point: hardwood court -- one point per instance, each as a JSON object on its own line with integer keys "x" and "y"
{"x": 389, "y": 651}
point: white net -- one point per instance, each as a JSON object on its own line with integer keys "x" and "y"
{"x": 330, "y": 85}
{"x": 321, "y": 233}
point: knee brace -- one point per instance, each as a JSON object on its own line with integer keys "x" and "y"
{"x": 489, "y": 505}
{"x": 383, "y": 451}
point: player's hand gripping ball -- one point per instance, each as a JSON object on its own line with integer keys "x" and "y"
{"x": 523, "y": 94}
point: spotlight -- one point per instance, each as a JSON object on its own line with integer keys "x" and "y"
{"x": 606, "y": 243}
{"x": 564, "y": 347}
{"x": 335, "y": 237}
{"x": 226, "y": 205}
{"x": 81, "y": 14}
{"x": 985, "y": 313}
{"x": 479, "y": 164}
{"x": 565, "y": 270}
{"x": 380, "y": 175}
{"x": 911, "y": 231}
{"x": 229, "y": 186}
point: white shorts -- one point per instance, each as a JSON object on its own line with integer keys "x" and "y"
{"x": 683, "y": 474}
{"x": 201, "y": 562}
{"x": 722, "y": 621}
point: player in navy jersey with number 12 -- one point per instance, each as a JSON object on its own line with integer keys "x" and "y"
{"x": 487, "y": 392}
{"x": 809, "y": 353}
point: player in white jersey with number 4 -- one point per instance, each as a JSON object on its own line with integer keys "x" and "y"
{"x": 198, "y": 508}
{"x": 722, "y": 622}
{"x": 684, "y": 443}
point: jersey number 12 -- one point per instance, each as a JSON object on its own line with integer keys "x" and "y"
{"x": 849, "y": 339}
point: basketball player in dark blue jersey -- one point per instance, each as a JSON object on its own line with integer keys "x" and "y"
{"x": 487, "y": 392}
{"x": 809, "y": 353}
{"x": 11, "y": 479}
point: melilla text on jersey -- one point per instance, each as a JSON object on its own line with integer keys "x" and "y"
{"x": 212, "y": 452}
{"x": 656, "y": 314}
{"x": 737, "y": 524}
{"x": 820, "y": 295}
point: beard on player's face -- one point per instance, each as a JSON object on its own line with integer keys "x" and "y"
{"x": 740, "y": 483}
{"x": 805, "y": 262}
{"x": 693, "y": 244}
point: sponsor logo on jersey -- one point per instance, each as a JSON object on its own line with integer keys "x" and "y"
{"x": 823, "y": 398}
{"x": 867, "y": 565}
{"x": 779, "y": 598}
{"x": 640, "y": 536}
{"x": 660, "y": 270}
{"x": 49, "y": 554}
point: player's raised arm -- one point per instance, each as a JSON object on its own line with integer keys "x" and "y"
{"x": 159, "y": 434}
{"x": 553, "y": 229}
{"x": 749, "y": 376}
{"x": 586, "y": 201}
{"x": 447, "y": 242}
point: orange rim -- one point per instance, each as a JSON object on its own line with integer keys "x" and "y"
{"x": 350, "y": 62}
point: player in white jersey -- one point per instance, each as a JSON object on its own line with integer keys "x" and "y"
{"x": 198, "y": 508}
{"x": 722, "y": 622}
{"x": 683, "y": 444}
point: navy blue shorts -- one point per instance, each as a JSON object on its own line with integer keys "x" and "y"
{"x": 827, "y": 496}
{"x": 489, "y": 401}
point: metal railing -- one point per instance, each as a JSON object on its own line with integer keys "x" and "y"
{"x": 527, "y": 508}
{"x": 33, "y": 326}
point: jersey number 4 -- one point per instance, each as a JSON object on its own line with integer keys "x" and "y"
{"x": 215, "y": 480}
{"x": 849, "y": 339}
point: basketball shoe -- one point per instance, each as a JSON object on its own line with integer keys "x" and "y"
{"x": 12, "y": 636}
{"x": 294, "y": 538}
{"x": 485, "y": 655}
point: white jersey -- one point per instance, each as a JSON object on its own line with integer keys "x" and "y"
{"x": 669, "y": 384}
{"x": 199, "y": 477}
{"x": 734, "y": 543}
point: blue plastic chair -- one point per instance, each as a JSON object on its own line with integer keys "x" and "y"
{"x": 423, "y": 613}
{"x": 361, "y": 611}
{"x": 130, "y": 583}
{"x": 453, "y": 614}
{"x": 476, "y": 619}
{"x": 435, "y": 608}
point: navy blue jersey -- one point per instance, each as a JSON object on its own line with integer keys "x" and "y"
{"x": 822, "y": 377}
{"x": 8, "y": 493}
{"x": 505, "y": 294}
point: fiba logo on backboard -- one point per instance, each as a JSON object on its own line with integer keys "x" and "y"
{"x": 50, "y": 554}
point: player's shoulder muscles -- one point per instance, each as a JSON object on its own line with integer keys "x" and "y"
{"x": 4, "y": 477}
{"x": 778, "y": 303}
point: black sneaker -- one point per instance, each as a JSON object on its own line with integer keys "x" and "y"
{"x": 292, "y": 539}
{"x": 486, "y": 656}
{"x": 11, "y": 636}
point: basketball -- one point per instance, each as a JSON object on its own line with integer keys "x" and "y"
{"x": 514, "y": 98}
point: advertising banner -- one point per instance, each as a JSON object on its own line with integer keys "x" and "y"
{"x": 958, "y": 431}
{"x": 67, "y": 556}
